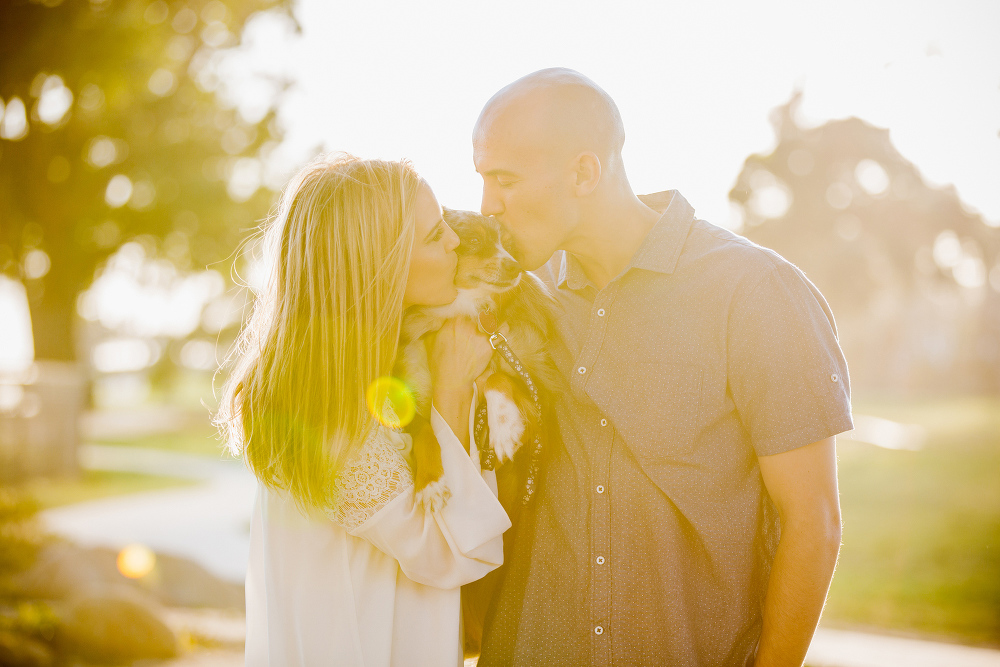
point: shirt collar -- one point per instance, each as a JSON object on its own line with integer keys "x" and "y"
{"x": 659, "y": 250}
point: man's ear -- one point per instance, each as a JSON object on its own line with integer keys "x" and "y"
{"x": 587, "y": 168}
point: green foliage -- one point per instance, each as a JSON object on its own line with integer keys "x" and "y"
{"x": 19, "y": 536}
{"x": 144, "y": 150}
{"x": 96, "y": 484}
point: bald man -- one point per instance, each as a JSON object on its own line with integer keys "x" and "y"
{"x": 704, "y": 388}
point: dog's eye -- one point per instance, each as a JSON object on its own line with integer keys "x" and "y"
{"x": 471, "y": 244}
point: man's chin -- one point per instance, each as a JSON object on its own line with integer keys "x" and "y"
{"x": 530, "y": 262}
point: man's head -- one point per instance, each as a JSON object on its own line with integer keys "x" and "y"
{"x": 547, "y": 146}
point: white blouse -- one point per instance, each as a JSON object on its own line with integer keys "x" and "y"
{"x": 377, "y": 583}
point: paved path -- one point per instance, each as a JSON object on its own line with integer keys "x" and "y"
{"x": 841, "y": 648}
{"x": 209, "y": 523}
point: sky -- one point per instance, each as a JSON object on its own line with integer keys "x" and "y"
{"x": 694, "y": 81}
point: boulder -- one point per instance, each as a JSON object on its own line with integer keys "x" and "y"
{"x": 114, "y": 629}
{"x": 64, "y": 570}
{"x": 17, "y": 650}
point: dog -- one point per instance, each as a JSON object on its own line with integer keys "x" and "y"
{"x": 487, "y": 278}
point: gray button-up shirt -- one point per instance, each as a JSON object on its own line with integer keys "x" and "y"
{"x": 651, "y": 537}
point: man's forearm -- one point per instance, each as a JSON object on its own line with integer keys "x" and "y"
{"x": 796, "y": 591}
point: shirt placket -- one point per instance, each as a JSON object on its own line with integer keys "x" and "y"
{"x": 600, "y": 457}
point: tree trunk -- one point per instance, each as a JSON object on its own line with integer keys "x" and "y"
{"x": 53, "y": 317}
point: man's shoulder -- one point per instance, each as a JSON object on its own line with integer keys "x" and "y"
{"x": 710, "y": 249}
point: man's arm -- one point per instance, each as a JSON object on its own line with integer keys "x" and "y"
{"x": 803, "y": 485}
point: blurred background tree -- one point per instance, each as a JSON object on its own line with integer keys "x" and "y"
{"x": 906, "y": 267}
{"x": 113, "y": 129}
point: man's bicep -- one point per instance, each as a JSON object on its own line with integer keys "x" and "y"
{"x": 802, "y": 483}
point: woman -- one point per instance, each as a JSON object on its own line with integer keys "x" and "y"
{"x": 345, "y": 569}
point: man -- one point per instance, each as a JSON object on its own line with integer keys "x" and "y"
{"x": 705, "y": 386}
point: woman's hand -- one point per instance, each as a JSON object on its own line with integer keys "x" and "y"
{"x": 458, "y": 354}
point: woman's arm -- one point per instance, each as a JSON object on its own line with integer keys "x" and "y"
{"x": 464, "y": 540}
{"x": 446, "y": 548}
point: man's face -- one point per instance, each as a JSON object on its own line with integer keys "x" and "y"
{"x": 528, "y": 190}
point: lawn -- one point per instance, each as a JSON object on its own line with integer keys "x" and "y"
{"x": 200, "y": 439}
{"x": 96, "y": 484}
{"x": 921, "y": 545}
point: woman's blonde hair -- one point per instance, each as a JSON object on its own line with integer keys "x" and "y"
{"x": 325, "y": 326}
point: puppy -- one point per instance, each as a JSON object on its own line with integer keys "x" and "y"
{"x": 487, "y": 278}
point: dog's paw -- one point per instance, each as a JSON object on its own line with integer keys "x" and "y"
{"x": 506, "y": 424}
{"x": 434, "y": 496}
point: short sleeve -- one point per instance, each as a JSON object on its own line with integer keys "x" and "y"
{"x": 787, "y": 373}
{"x": 376, "y": 475}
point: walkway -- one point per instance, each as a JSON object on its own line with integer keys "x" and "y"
{"x": 208, "y": 523}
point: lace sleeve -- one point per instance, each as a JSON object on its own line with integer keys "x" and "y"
{"x": 377, "y": 474}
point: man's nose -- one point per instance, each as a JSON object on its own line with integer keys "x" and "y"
{"x": 491, "y": 204}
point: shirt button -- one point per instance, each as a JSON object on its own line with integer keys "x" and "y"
{"x": 600, "y": 560}
{"x": 834, "y": 378}
{"x": 600, "y": 312}
{"x": 600, "y": 488}
{"x": 581, "y": 370}
{"x": 604, "y": 422}
{"x": 599, "y": 630}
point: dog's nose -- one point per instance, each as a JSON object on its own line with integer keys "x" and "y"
{"x": 509, "y": 268}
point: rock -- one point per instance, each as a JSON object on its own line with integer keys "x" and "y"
{"x": 64, "y": 570}
{"x": 114, "y": 629}
{"x": 16, "y": 650}
{"x": 184, "y": 583}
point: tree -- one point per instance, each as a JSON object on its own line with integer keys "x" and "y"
{"x": 112, "y": 129}
{"x": 912, "y": 274}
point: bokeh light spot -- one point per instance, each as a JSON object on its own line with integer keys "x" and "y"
{"x": 136, "y": 561}
{"x": 162, "y": 82}
{"x": 391, "y": 402}
{"x": 36, "y": 264}
{"x": 839, "y": 195}
{"x": 119, "y": 191}
{"x": 872, "y": 177}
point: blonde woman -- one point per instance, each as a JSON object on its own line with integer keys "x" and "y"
{"x": 345, "y": 569}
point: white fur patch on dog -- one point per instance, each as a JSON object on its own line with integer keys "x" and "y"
{"x": 434, "y": 496}
{"x": 506, "y": 424}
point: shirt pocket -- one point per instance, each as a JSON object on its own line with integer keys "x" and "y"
{"x": 657, "y": 409}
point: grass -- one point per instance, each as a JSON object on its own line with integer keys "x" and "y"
{"x": 921, "y": 548}
{"x": 201, "y": 439}
{"x": 96, "y": 484}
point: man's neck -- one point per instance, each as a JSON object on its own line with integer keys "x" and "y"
{"x": 610, "y": 235}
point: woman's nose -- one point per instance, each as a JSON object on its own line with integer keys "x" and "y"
{"x": 451, "y": 242}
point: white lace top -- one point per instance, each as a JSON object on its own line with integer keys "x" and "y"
{"x": 378, "y": 473}
{"x": 376, "y": 582}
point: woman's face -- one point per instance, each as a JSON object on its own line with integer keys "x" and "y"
{"x": 431, "y": 280}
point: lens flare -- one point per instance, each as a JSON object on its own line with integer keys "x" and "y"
{"x": 391, "y": 402}
{"x": 136, "y": 561}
